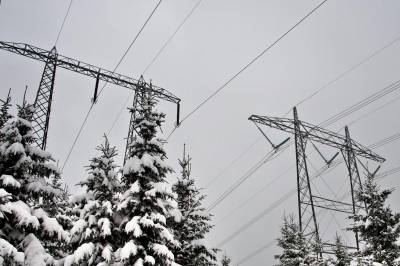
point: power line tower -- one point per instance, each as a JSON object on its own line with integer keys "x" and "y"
{"x": 44, "y": 96}
{"x": 308, "y": 201}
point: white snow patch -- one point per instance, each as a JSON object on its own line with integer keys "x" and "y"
{"x": 133, "y": 226}
{"x": 163, "y": 251}
{"x": 129, "y": 249}
{"x": 9, "y": 181}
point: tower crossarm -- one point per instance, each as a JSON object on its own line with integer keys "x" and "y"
{"x": 87, "y": 69}
{"x": 317, "y": 134}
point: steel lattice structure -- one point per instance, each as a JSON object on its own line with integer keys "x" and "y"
{"x": 307, "y": 201}
{"x": 53, "y": 60}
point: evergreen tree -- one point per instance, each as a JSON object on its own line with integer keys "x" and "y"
{"x": 25, "y": 227}
{"x": 295, "y": 250}
{"x": 147, "y": 200}
{"x": 4, "y": 110}
{"x": 190, "y": 231}
{"x": 377, "y": 226}
{"x": 93, "y": 235}
{"x": 341, "y": 254}
{"x": 226, "y": 261}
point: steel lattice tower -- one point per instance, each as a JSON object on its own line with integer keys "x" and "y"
{"x": 43, "y": 100}
{"x": 308, "y": 201}
{"x": 52, "y": 60}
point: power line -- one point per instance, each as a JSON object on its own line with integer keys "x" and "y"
{"x": 214, "y": 179}
{"x": 363, "y": 61}
{"x": 62, "y": 25}
{"x": 353, "y": 108}
{"x": 172, "y": 36}
{"x": 153, "y": 60}
{"x": 269, "y": 244}
{"x": 268, "y": 157}
{"x": 257, "y": 251}
{"x": 93, "y": 103}
{"x": 337, "y": 78}
{"x": 251, "y": 62}
{"x": 290, "y": 193}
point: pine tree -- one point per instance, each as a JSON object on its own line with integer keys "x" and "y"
{"x": 25, "y": 227}
{"x": 190, "y": 231}
{"x": 377, "y": 226}
{"x": 295, "y": 250}
{"x": 147, "y": 200}
{"x": 93, "y": 236}
{"x": 341, "y": 254}
{"x": 226, "y": 261}
{"x": 4, "y": 110}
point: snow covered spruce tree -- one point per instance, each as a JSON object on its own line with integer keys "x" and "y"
{"x": 147, "y": 200}
{"x": 342, "y": 257}
{"x": 4, "y": 110}
{"x": 294, "y": 247}
{"x": 93, "y": 236}
{"x": 190, "y": 231}
{"x": 378, "y": 226}
{"x": 26, "y": 229}
{"x": 226, "y": 261}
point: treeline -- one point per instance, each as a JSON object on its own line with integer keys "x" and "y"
{"x": 128, "y": 215}
{"x": 377, "y": 226}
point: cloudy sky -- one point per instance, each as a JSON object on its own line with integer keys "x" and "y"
{"x": 218, "y": 39}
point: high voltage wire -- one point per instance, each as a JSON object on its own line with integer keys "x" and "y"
{"x": 62, "y": 25}
{"x": 172, "y": 36}
{"x": 353, "y": 108}
{"x": 372, "y": 98}
{"x": 313, "y": 94}
{"x": 334, "y": 164}
{"x": 268, "y": 157}
{"x": 153, "y": 60}
{"x": 290, "y": 193}
{"x": 244, "y": 68}
{"x": 363, "y": 61}
{"x": 269, "y": 244}
{"x": 115, "y": 68}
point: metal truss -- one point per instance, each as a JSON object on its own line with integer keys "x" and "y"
{"x": 307, "y": 218}
{"x": 43, "y": 100}
{"x": 87, "y": 70}
{"x": 307, "y": 201}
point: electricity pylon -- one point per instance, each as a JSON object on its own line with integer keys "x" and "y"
{"x": 53, "y": 60}
{"x": 307, "y": 201}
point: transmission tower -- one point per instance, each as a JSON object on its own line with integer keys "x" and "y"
{"x": 305, "y": 133}
{"x": 44, "y": 96}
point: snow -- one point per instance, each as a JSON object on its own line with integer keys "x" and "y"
{"x": 149, "y": 161}
{"x": 146, "y": 222}
{"x": 128, "y": 250}
{"x": 35, "y": 254}
{"x": 105, "y": 225}
{"x": 83, "y": 252}
{"x": 106, "y": 254}
{"x": 167, "y": 235}
{"x": 8, "y": 250}
{"x": 78, "y": 227}
{"x": 50, "y": 225}
{"x": 133, "y": 164}
{"x": 135, "y": 187}
{"x": 138, "y": 262}
{"x": 4, "y": 194}
{"x": 9, "y": 181}
{"x": 157, "y": 217}
{"x": 16, "y": 148}
{"x": 133, "y": 226}
{"x": 23, "y": 213}
{"x": 163, "y": 251}
{"x": 150, "y": 260}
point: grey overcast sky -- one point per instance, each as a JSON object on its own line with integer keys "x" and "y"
{"x": 219, "y": 38}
